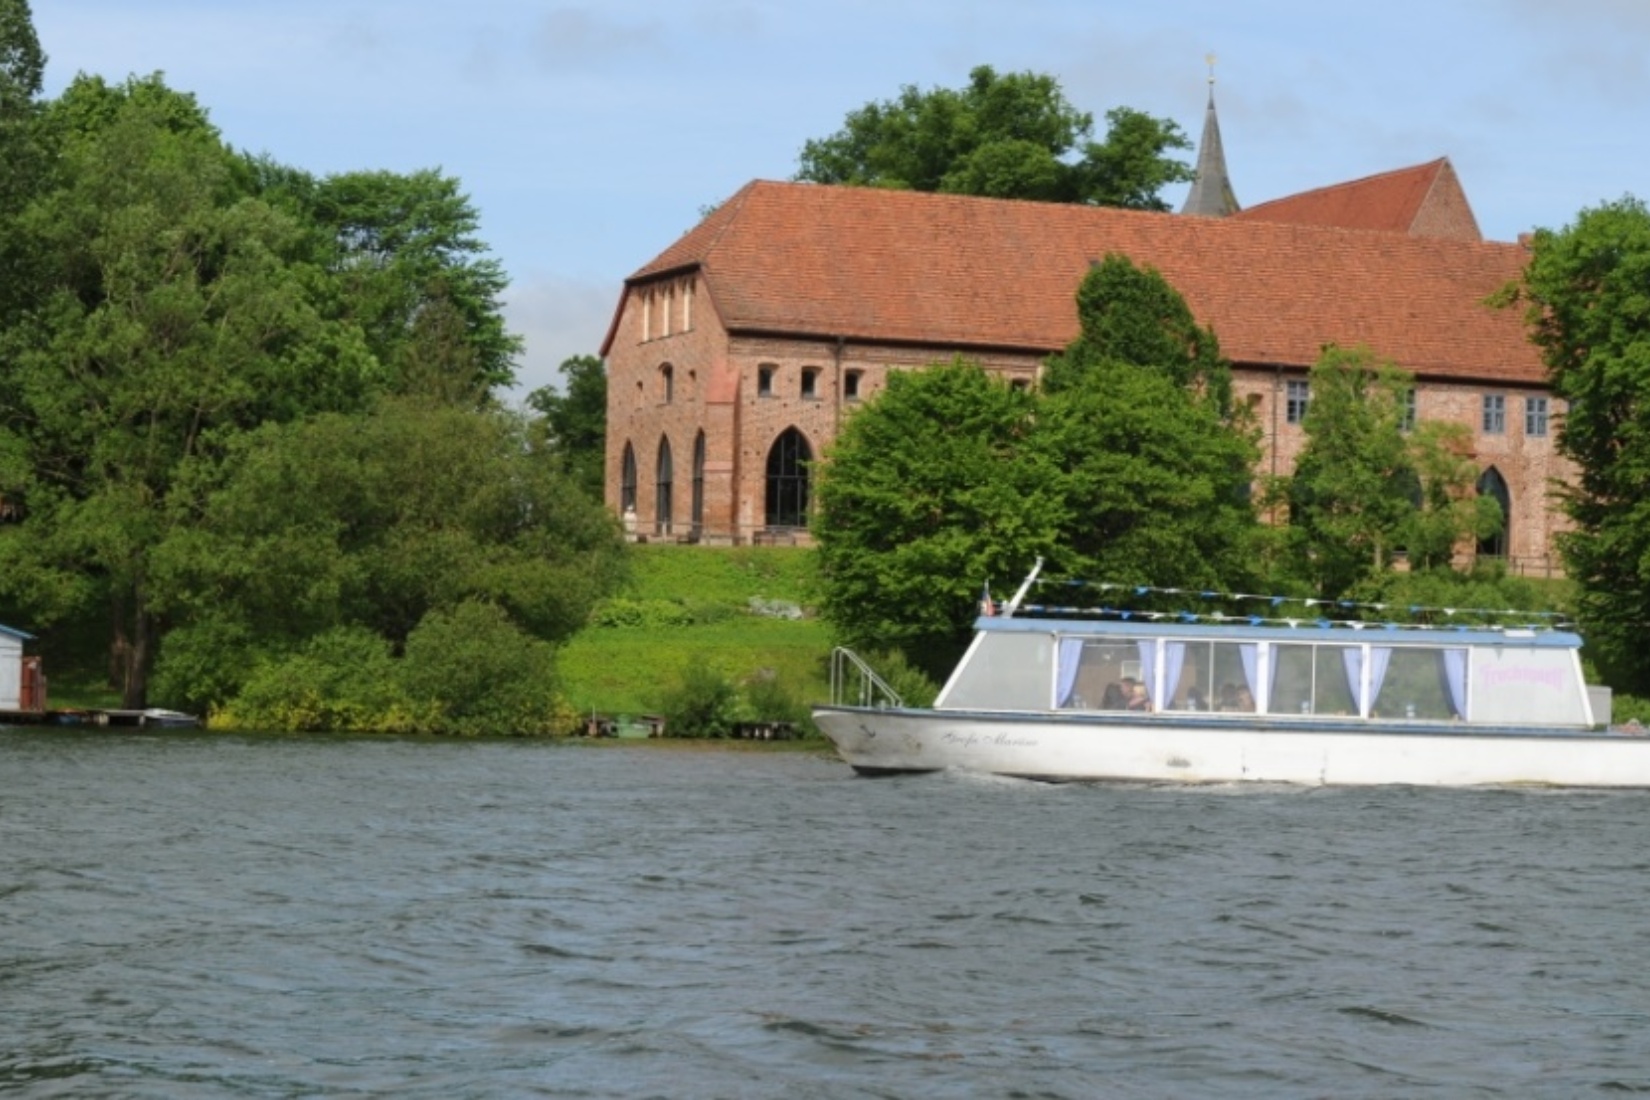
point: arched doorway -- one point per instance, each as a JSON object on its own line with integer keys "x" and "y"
{"x": 663, "y": 487}
{"x": 787, "y": 496}
{"x": 697, "y": 515}
{"x": 1492, "y": 484}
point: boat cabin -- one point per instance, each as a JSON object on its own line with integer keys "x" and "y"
{"x": 1478, "y": 676}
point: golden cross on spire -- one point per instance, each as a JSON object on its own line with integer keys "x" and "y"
{"x": 1210, "y": 58}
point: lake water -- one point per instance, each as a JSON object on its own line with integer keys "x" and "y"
{"x": 197, "y": 916}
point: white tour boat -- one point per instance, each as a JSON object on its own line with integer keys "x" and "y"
{"x": 1216, "y": 699}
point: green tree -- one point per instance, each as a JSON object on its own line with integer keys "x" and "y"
{"x": 930, "y": 490}
{"x": 1153, "y": 481}
{"x": 1131, "y": 315}
{"x": 22, "y": 65}
{"x": 1008, "y": 135}
{"x": 1129, "y": 470}
{"x": 1364, "y": 489}
{"x": 575, "y": 420}
{"x": 1587, "y": 288}
{"x": 162, "y": 314}
{"x": 375, "y": 521}
{"x": 412, "y": 273}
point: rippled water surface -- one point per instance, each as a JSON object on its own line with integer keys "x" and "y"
{"x": 186, "y": 916}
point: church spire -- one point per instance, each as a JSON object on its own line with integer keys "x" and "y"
{"x": 1211, "y": 194}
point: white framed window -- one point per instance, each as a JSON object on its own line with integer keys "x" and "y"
{"x": 1535, "y": 416}
{"x": 1495, "y": 413}
{"x": 1297, "y": 397}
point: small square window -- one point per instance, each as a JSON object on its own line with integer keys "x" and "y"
{"x": 764, "y": 381}
{"x": 1495, "y": 413}
{"x": 1535, "y": 416}
{"x": 1297, "y": 396}
{"x": 850, "y": 385}
{"x": 810, "y": 382}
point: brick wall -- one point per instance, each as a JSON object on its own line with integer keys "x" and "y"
{"x": 716, "y": 388}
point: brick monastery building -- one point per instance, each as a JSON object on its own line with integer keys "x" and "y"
{"x": 735, "y": 355}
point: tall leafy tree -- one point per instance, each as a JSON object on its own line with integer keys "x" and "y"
{"x": 22, "y": 65}
{"x": 1011, "y": 135}
{"x": 412, "y": 509}
{"x": 1130, "y": 470}
{"x": 413, "y": 274}
{"x": 1589, "y": 311}
{"x": 928, "y": 492}
{"x": 575, "y": 420}
{"x": 1364, "y": 488}
{"x": 163, "y": 314}
{"x": 1131, "y": 315}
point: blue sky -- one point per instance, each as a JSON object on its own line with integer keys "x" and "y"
{"x": 589, "y": 136}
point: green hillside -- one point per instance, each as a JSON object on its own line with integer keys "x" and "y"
{"x": 690, "y": 605}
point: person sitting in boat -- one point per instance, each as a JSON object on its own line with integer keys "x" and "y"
{"x": 1113, "y": 698}
{"x": 1135, "y": 692}
{"x": 1195, "y": 700}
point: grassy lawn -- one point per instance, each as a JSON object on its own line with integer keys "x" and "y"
{"x": 622, "y": 669}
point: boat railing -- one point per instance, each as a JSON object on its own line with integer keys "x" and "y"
{"x": 855, "y": 683}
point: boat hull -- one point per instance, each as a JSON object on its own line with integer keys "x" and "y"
{"x": 1221, "y": 749}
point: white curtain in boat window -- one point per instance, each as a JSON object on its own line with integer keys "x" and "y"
{"x": 1249, "y": 654}
{"x": 1455, "y": 678}
{"x": 1148, "y": 668}
{"x": 1352, "y": 657}
{"x": 1071, "y": 656}
{"x": 1174, "y": 659}
{"x": 1379, "y": 657}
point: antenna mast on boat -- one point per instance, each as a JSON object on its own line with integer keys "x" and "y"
{"x": 1031, "y": 578}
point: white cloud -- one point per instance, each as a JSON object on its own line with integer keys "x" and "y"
{"x": 557, "y": 317}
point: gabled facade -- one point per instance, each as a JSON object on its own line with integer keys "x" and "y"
{"x": 735, "y": 356}
{"x": 1424, "y": 201}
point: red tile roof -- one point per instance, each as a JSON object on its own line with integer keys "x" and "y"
{"x": 1426, "y": 200}
{"x": 958, "y": 273}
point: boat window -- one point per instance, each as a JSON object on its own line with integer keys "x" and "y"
{"x": 1416, "y": 683}
{"x": 1315, "y": 679}
{"x": 1219, "y": 676}
{"x": 1097, "y": 675}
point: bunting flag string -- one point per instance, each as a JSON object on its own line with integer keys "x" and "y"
{"x": 1219, "y": 618}
{"x": 1318, "y": 609}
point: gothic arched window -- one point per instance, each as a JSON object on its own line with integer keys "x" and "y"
{"x": 787, "y": 497}
{"x": 1492, "y": 484}
{"x": 697, "y": 516}
{"x": 627, "y": 481}
{"x": 662, "y": 484}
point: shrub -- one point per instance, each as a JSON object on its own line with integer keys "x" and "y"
{"x": 343, "y": 680}
{"x": 621, "y": 611}
{"x": 472, "y": 671}
{"x": 768, "y": 698}
{"x": 702, "y": 703}
{"x": 914, "y": 685}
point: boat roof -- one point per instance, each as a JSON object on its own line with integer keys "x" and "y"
{"x": 13, "y": 632}
{"x": 1232, "y": 628}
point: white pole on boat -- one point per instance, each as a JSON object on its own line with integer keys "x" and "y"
{"x": 1031, "y": 578}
